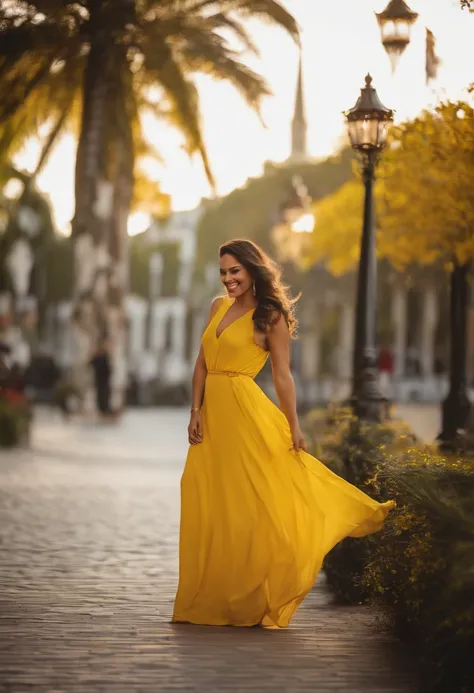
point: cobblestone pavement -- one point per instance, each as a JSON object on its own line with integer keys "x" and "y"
{"x": 88, "y": 565}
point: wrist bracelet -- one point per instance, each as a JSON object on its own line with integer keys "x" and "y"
{"x": 195, "y": 409}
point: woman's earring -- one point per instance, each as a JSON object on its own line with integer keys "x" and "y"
{"x": 254, "y": 290}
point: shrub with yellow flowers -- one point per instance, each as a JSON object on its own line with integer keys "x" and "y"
{"x": 419, "y": 569}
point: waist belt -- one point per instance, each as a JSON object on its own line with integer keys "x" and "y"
{"x": 230, "y": 374}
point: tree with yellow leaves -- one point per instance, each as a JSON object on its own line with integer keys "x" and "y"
{"x": 425, "y": 201}
{"x": 425, "y": 206}
{"x": 337, "y": 230}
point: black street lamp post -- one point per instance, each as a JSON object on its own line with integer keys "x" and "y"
{"x": 368, "y": 123}
{"x": 457, "y": 407}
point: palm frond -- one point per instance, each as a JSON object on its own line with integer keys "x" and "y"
{"x": 56, "y": 94}
{"x": 30, "y": 43}
{"x": 199, "y": 47}
{"x": 147, "y": 195}
{"x": 53, "y": 136}
{"x": 36, "y": 62}
{"x": 269, "y": 11}
{"x": 20, "y": 86}
{"x": 184, "y": 100}
{"x": 210, "y": 56}
{"x": 221, "y": 21}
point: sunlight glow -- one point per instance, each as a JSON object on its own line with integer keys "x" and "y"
{"x": 304, "y": 224}
{"x": 138, "y": 222}
{"x": 13, "y": 189}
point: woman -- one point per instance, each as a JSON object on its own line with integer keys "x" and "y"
{"x": 258, "y": 513}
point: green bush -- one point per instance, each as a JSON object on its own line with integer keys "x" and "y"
{"x": 420, "y": 567}
{"x": 15, "y": 424}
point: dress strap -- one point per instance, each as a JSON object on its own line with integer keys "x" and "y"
{"x": 224, "y": 305}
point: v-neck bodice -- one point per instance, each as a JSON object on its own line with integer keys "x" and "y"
{"x": 234, "y": 350}
{"x": 221, "y": 329}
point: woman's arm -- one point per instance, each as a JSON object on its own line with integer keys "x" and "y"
{"x": 199, "y": 381}
{"x": 198, "y": 386}
{"x": 279, "y": 344}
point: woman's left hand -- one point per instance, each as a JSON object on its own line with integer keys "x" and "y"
{"x": 299, "y": 441}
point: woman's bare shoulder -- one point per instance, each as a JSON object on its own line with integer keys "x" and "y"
{"x": 276, "y": 321}
{"x": 217, "y": 301}
{"x": 216, "y": 304}
{"x": 277, "y": 330}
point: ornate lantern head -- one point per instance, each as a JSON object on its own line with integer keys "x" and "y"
{"x": 368, "y": 120}
{"x": 395, "y": 27}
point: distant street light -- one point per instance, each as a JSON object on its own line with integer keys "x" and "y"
{"x": 297, "y": 204}
{"x": 295, "y": 223}
{"x": 368, "y": 123}
{"x": 304, "y": 224}
{"x": 395, "y": 27}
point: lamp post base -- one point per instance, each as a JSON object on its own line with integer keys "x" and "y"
{"x": 367, "y": 401}
{"x": 456, "y": 410}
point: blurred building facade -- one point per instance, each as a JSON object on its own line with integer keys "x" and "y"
{"x": 168, "y": 306}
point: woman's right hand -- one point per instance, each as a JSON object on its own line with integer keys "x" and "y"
{"x": 195, "y": 428}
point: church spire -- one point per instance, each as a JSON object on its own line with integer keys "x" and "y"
{"x": 298, "y": 126}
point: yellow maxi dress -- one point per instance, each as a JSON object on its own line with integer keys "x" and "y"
{"x": 257, "y": 518}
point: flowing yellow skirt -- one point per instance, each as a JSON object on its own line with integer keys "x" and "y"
{"x": 257, "y": 519}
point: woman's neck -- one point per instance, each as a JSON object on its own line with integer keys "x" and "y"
{"x": 246, "y": 302}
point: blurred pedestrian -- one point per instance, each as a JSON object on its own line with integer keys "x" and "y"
{"x": 386, "y": 371}
{"x": 101, "y": 365}
{"x": 4, "y": 362}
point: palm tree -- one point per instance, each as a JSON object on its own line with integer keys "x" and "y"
{"x": 99, "y": 64}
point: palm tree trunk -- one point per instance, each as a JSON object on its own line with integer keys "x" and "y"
{"x": 119, "y": 260}
{"x": 104, "y": 185}
{"x": 93, "y": 216}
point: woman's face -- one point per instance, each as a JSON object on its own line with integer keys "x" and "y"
{"x": 234, "y": 276}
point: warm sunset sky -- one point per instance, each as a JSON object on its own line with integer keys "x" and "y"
{"x": 341, "y": 43}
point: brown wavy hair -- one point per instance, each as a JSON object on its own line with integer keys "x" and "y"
{"x": 273, "y": 299}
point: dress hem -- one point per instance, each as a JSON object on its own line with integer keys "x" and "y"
{"x": 383, "y": 509}
{"x": 259, "y": 624}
